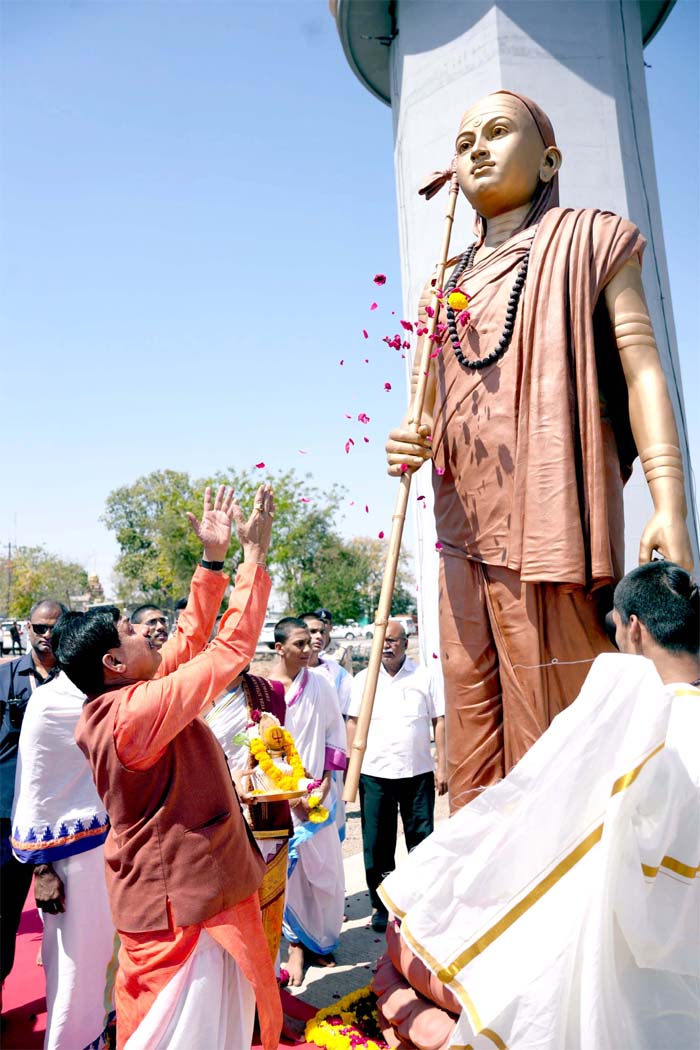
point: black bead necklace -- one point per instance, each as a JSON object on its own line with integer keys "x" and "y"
{"x": 466, "y": 263}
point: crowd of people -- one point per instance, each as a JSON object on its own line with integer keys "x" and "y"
{"x": 125, "y": 784}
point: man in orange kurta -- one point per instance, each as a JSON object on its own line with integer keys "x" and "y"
{"x": 182, "y": 868}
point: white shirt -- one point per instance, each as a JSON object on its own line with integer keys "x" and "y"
{"x": 398, "y": 742}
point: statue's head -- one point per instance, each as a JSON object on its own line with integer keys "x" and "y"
{"x": 507, "y": 156}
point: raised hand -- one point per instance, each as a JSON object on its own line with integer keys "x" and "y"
{"x": 254, "y": 534}
{"x": 214, "y": 530}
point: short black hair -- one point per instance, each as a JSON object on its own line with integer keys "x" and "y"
{"x": 285, "y": 626}
{"x": 141, "y": 609}
{"x": 181, "y": 603}
{"x": 664, "y": 598}
{"x": 50, "y": 602}
{"x": 84, "y": 639}
{"x": 311, "y": 616}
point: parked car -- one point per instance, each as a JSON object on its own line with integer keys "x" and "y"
{"x": 407, "y": 622}
{"x": 348, "y": 631}
{"x": 267, "y": 635}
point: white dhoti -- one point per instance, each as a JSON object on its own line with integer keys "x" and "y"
{"x": 208, "y": 1004}
{"x": 79, "y": 952}
{"x": 562, "y": 906}
{"x": 313, "y": 913}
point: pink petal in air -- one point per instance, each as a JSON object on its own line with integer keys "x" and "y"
{"x": 348, "y": 443}
{"x": 430, "y": 312}
{"x": 364, "y": 332}
{"x": 341, "y": 362}
{"x": 438, "y": 546}
{"x": 387, "y": 386}
{"x": 419, "y": 498}
{"x": 407, "y": 325}
{"x": 305, "y": 499}
{"x": 379, "y": 278}
{"x": 366, "y": 360}
{"x": 302, "y": 452}
{"x": 363, "y": 418}
{"x": 366, "y": 441}
{"x": 347, "y": 415}
{"x": 374, "y": 306}
{"x": 435, "y": 656}
{"x": 380, "y": 535}
{"x": 260, "y": 466}
{"x": 366, "y": 509}
{"x": 404, "y": 468}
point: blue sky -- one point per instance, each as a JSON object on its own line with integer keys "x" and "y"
{"x": 194, "y": 198}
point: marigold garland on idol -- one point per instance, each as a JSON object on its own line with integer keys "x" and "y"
{"x": 279, "y": 768}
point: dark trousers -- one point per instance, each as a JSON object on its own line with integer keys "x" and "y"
{"x": 380, "y": 801}
{"x": 15, "y": 880}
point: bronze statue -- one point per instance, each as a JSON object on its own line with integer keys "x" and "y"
{"x": 542, "y": 391}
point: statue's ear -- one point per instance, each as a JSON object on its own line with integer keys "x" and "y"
{"x": 550, "y": 163}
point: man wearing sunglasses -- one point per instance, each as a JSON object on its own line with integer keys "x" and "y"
{"x": 18, "y": 680}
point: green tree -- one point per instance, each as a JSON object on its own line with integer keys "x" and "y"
{"x": 373, "y": 553}
{"x": 159, "y": 552}
{"x": 32, "y": 573}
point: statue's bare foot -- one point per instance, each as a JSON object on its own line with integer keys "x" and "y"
{"x": 316, "y": 959}
{"x": 295, "y": 965}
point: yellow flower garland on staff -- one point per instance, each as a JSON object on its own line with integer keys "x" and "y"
{"x": 284, "y": 781}
{"x": 338, "y": 1036}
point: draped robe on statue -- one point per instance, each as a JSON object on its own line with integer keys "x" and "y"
{"x": 530, "y": 456}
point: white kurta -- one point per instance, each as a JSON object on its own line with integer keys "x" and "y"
{"x": 59, "y": 818}
{"x": 562, "y": 906}
{"x": 316, "y": 885}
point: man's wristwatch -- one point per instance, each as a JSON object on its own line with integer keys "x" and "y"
{"x": 214, "y": 566}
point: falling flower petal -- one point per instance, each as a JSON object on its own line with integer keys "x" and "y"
{"x": 440, "y": 471}
{"x": 352, "y": 502}
{"x": 464, "y": 317}
{"x": 364, "y": 332}
{"x": 419, "y": 498}
{"x": 366, "y": 441}
{"x": 347, "y": 415}
{"x": 366, "y": 360}
{"x": 348, "y": 443}
{"x": 435, "y": 656}
{"x": 380, "y": 535}
{"x": 379, "y": 278}
{"x": 302, "y": 452}
{"x": 341, "y": 362}
{"x": 421, "y": 330}
{"x": 305, "y": 499}
{"x": 438, "y": 546}
{"x": 387, "y": 386}
{"x": 404, "y": 468}
{"x": 373, "y": 306}
{"x": 430, "y": 312}
{"x": 366, "y": 509}
{"x": 260, "y": 465}
{"x": 407, "y": 325}
{"x": 363, "y": 418}
{"x": 406, "y": 345}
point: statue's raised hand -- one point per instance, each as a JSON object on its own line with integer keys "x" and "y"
{"x": 214, "y": 530}
{"x": 254, "y": 534}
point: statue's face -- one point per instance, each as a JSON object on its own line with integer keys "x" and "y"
{"x": 501, "y": 157}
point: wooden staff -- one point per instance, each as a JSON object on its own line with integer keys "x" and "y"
{"x": 359, "y": 746}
